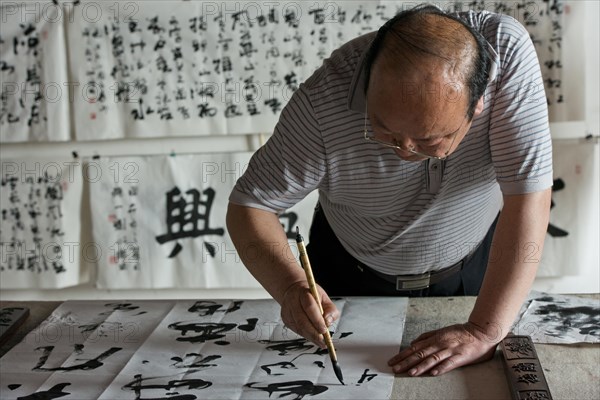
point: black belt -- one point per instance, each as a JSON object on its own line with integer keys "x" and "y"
{"x": 418, "y": 281}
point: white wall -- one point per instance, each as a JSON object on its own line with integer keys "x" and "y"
{"x": 588, "y": 35}
{"x": 587, "y": 281}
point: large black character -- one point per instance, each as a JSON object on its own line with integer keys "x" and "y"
{"x": 299, "y": 389}
{"x": 54, "y": 392}
{"x": 555, "y": 231}
{"x": 139, "y": 384}
{"x": 291, "y": 218}
{"x": 88, "y": 365}
{"x": 207, "y": 307}
{"x": 180, "y": 215}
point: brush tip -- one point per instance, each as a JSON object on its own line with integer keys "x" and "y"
{"x": 299, "y": 237}
{"x": 338, "y": 372}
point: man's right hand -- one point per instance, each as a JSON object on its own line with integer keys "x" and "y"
{"x": 300, "y": 312}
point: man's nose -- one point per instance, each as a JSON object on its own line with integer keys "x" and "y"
{"x": 404, "y": 143}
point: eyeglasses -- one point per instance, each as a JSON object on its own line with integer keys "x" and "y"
{"x": 411, "y": 148}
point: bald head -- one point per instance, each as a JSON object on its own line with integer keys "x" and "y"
{"x": 430, "y": 39}
{"x": 426, "y": 45}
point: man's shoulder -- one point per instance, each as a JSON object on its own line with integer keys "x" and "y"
{"x": 493, "y": 26}
{"x": 341, "y": 64}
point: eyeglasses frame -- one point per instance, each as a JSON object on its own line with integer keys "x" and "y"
{"x": 411, "y": 148}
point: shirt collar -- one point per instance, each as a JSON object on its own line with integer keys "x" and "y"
{"x": 356, "y": 94}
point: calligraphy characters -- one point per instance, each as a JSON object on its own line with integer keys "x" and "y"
{"x": 189, "y": 218}
{"x": 32, "y": 224}
{"x": 188, "y": 350}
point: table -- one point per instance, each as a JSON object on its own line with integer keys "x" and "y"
{"x": 572, "y": 371}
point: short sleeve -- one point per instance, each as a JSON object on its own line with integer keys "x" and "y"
{"x": 520, "y": 142}
{"x": 290, "y": 165}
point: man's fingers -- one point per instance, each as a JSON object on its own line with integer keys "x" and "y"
{"x": 430, "y": 362}
{"x": 441, "y": 351}
{"x": 330, "y": 311}
{"x": 415, "y": 347}
{"x": 313, "y": 312}
{"x": 411, "y": 357}
{"x": 301, "y": 313}
{"x": 447, "y": 365}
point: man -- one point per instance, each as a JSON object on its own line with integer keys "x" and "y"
{"x": 415, "y": 137}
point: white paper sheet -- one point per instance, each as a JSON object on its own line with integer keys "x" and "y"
{"x": 183, "y": 68}
{"x": 40, "y": 225}
{"x": 140, "y": 204}
{"x": 186, "y": 68}
{"x": 34, "y": 100}
{"x": 215, "y": 349}
{"x": 553, "y": 318}
{"x": 575, "y": 181}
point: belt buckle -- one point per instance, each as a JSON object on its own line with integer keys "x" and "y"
{"x": 413, "y": 282}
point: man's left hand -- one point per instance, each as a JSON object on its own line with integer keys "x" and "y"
{"x": 444, "y": 349}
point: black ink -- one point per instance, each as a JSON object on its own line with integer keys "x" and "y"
{"x": 289, "y": 227}
{"x": 55, "y": 392}
{"x": 250, "y": 326}
{"x": 120, "y": 307}
{"x": 548, "y": 299}
{"x": 366, "y": 376}
{"x": 206, "y": 307}
{"x": 207, "y": 331}
{"x": 179, "y": 216}
{"x": 192, "y": 384}
{"x": 86, "y": 366}
{"x": 344, "y": 334}
{"x": 319, "y": 364}
{"x": 560, "y": 320}
{"x": 195, "y": 360}
{"x": 285, "y": 346}
{"x": 14, "y": 386}
{"x": 552, "y": 230}
{"x": 320, "y": 352}
{"x": 283, "y": 365}
{"x": 297, "y": 388}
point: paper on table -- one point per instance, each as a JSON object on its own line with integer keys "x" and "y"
{"x": 79, "y": 348}
{"x": 552, "y": 318}
{"x": 202, "y": 349}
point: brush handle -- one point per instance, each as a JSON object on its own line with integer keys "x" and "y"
{"x": 315, "y": 293}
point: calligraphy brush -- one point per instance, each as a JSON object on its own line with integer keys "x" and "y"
{"x": 313, "y": 290}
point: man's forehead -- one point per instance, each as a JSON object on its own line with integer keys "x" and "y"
{"x": 356, "y": 99}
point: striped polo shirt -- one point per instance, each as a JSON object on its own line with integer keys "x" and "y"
{"x": 396, "y": 216}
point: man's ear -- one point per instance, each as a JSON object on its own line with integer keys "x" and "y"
{"x": 478, "y": 107}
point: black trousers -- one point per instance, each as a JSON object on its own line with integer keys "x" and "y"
{"x": 339, "y": 273}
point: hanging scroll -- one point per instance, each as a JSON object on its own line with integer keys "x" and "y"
{"x": 167, "y": 68}
{"x": 570, "y": 231}
{"x": 40, "y": 224}
{"x": 544, "y": 20}
{"x": 188, "y": 68}
{"x": 160, "y": 221}
{"x": 34, "y": 97}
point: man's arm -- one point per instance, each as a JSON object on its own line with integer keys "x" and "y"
{"x": 516, "y": 251}
{"x": 517, "y": 245}
{"x": 263, "y": 247}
